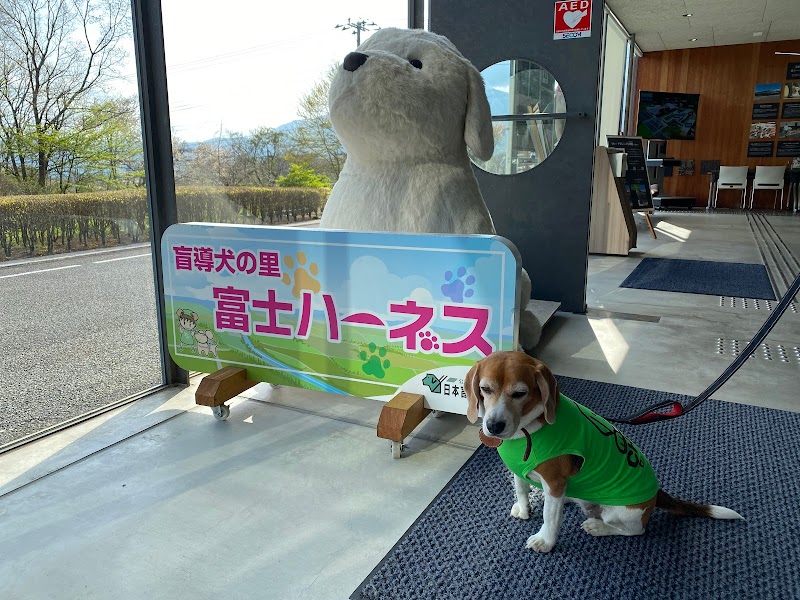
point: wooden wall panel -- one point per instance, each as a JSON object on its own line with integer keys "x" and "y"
{"x": 725, "y": 77}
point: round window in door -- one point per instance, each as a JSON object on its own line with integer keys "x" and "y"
{"x": 522, "y": 96}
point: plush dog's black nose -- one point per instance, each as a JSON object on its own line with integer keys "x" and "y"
{"x": 354, "y": 60}
{"x": 495, "y": 427}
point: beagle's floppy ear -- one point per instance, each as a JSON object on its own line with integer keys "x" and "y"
{"x": 548, "y": 388}
{"x": 472, "y": 385}
{"x": 478, "y": 125}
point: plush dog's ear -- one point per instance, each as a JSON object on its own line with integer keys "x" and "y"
{"x": 478, "y": 126}
{"x": 472, "y": 386}
{"x": 548, "y": 389}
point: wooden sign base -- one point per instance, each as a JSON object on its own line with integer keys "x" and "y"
{"x": 399, "y": 417}
{"x": 220, "y": 386}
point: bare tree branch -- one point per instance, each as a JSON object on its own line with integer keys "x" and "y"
{"x": 65, "y": 50}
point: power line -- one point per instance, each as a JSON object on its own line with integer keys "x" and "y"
{"x": 358, "y": 26}
{"x": 227, "y": 57}
{"x": 218, "y": 59}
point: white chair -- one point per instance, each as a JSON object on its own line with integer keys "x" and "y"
{"x": 768, "y": 178}
{"x": 732, "y": 178}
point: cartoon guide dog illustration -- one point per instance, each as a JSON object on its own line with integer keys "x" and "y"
{"x": 201, "y": 340}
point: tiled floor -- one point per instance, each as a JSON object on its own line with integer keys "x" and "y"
{"x": 294, "y": 496}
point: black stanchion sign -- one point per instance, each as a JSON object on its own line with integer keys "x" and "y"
{"x": 637, "y": 183}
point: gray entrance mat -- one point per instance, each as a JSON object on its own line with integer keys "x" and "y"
{"x": 466, "y": 546}
{"x": 739, "y": 280}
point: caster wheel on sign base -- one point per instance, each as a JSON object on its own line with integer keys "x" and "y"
{"x": 397, "y": 449}
{"x": 221, "y": 412}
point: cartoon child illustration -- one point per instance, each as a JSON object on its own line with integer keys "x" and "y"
{"x": 187, "y": 321}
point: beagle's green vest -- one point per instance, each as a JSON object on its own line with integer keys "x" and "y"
{"x": 614, "y": 471}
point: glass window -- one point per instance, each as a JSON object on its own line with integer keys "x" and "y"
{"x": 248, "y": 88}
{"x": 615, "y": 62}
{"x": 77, "y": 306}
{"x": 522, "y": 89}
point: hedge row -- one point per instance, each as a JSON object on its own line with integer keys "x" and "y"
{"x": 46, "y": 223}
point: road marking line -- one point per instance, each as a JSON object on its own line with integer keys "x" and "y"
{"x": 40, "y": 271}
{"x": 98, "y": 262}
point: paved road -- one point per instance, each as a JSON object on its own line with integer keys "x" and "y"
{"x": 76, "y": 332}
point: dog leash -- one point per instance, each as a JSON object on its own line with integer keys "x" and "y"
{"x": 670, "y": 410}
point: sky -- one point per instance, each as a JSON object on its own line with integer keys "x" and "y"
{"x": 239, "y": 64}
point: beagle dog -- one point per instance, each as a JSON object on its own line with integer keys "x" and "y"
{"x": 554, "y": 443}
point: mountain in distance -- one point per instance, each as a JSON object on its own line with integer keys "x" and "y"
{"x": 225, "y": 142}
{"x": 290, "y": 127}
{"x": 498, "y": 101}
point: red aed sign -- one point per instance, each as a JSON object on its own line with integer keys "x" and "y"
{"x": 573, "y": 19}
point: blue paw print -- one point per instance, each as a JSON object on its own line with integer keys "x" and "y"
{"x": 457, "y": 288}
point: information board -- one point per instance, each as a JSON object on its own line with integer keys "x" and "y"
{"x": 766, "y": 110}
{"x": 363, "y": 314}
{"x": 790, "y": 110}
{"x": 637, "y": 183}
{"x": 788, "y": 149}
{"x": 761, "y": 149}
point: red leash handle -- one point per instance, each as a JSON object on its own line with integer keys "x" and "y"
{"x": 655, "y": 413}
{"x": 676, "y": 409}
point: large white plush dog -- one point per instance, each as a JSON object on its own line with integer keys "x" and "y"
{"x": 406, "y": 105}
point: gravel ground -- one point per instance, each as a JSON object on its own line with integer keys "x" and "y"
{"x": 75, "y": 337}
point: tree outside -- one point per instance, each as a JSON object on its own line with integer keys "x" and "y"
{"x": 55, "y": 57}
{"x": 303, "y": 176}
{"x": 64, "y": 131}
{"x": 314, "y": 139}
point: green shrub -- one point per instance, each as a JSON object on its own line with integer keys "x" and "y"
{"x": 51, "y": 223}
{"x": 302, "y": 176}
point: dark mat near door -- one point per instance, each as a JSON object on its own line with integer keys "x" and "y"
{"x": 466, "y": 546}
{"x": 739, "y": 280}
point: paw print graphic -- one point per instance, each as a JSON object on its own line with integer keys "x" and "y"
{"x": 303, "y": 280}
{"x": 375, "y": 363}
{"x": 428, "y": 342}
{"x": 456, "y": 287}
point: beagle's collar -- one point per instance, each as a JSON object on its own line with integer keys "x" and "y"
{"x": 493, "y": 442}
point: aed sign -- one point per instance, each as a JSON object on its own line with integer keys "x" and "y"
{"x": 573, "y": 19}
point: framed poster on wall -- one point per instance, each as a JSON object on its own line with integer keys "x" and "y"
{"x": 791, "y": 110}
{"x": 788, "y": 149}
{"x": 760, "y": 149}
{"x": 793, "y": 70}
{"x": 789, "y": 129}
{"x": 768, "y": 91}
{"x": 765, "y": 110}
{"x": 762, "y": 130}
{"x": 791, "y": 90}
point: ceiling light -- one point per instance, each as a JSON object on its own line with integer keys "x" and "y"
{"x": 757, "y": 33}
{"x": 693, "y": 40}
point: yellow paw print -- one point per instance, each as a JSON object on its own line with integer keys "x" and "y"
{"x": 303, "y": 280}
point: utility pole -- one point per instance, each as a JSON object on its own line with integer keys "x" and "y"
{"x": 358, "y": 26}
